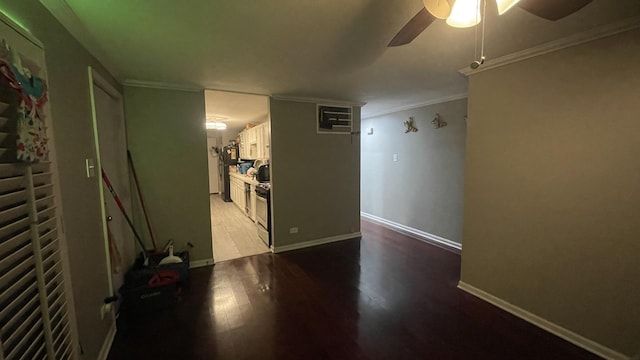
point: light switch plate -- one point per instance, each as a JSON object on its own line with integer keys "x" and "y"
{"x": 395, "y": 157}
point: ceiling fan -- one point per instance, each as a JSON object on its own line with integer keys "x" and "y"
{"x": 465, "y": 13}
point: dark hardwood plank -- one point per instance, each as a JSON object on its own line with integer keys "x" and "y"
{"x": 385, "y": 296}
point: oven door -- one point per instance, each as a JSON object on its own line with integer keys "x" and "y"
{"x": 263, "y": 234}
{"x": 261, "y": 212}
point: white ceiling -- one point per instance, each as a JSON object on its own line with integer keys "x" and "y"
{"x": 331, "y": 49}
{"x": 236, "y": 109}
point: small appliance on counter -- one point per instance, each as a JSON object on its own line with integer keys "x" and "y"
{"x": 244, "y": 166}
{"x": 263, "y": 173}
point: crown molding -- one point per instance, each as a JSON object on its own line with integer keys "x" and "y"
{"x": 318, "y": 100}
{"x": 20, "y": 30}
{"x": 563, "y": 43}
{"x": 236, "y": 92}
{"x": 417, "y": 105}
{"x": 161, "y": 85}
{"x": 70, "y": 21}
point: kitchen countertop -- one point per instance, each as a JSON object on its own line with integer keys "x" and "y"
{"x": 244, "y": 178}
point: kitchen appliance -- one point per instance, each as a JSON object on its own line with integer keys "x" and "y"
{"x": 244, "y": 166}
{"x": 263, "y": 212}
{"x": 263, "y": 173}
{"x": 229, "y": 158}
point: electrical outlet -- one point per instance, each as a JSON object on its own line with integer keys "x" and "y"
{"x": 293, "y": 230}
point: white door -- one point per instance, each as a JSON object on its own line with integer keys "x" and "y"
{"x": 112, "y": 144}
{"x": 214, "y": 176}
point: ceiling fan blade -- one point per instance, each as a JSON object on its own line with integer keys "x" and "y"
{"x": 413, "y": 28}
{"x": 552, "y": 9}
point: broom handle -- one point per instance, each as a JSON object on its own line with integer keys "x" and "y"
{"x": 144, "y": 208}
{"x": 119, "y": 203}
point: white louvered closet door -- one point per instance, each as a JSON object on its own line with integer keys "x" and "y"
{"x": 34, "y": 313}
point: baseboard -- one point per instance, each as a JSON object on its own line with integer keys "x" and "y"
{"x": 415, "y": 233}
{"x": 310, "y": 243}
{"x": 108, "y": 341}
{"x": 544, "y": 324}
{"x": 200, "y": 263}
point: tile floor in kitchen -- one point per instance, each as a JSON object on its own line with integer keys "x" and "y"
{"x": 234, "y": 234}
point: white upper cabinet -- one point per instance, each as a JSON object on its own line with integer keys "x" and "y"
{"x": 242, "y": 145}
{"x": 254, "y": 142}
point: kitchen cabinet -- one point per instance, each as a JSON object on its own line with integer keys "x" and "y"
{"x": 266, "y": 140}
{"x": 251, "y": 135}
{"x": 260, "y": 129}
{"x": 254, "y": 142}
{"x": 238, "y": 194}
{"x": 242, "y": 145}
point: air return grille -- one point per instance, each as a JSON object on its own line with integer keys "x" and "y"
{"x": 334, "y": 119}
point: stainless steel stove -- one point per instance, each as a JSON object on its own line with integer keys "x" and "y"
{"x": 263, "y": 212}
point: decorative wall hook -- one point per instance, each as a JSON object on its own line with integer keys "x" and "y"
{"x": 437, "y": 123}
{"x": 410, "y": 127}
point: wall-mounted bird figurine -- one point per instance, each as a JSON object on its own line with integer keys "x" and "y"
{"x": 437, "y": 123}
{"x": 410, "y": 127}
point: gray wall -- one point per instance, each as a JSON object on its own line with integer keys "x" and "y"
{"x": 67, "y": 63}
{"x": 167, "y": 139}
{"x": 552, "y": 198}
{"x": 315, "y": 178}
{"x": 424, "y": 188}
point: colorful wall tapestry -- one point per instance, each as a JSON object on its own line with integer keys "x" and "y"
{"x": 31, "y": 140}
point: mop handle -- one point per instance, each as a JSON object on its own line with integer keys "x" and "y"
{"x": 117, "y": 199}
{"x": 144, "y": 208}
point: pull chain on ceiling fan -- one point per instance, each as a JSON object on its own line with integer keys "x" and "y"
{"x": 466, "y": 13}
{"x": 475, "y": 64}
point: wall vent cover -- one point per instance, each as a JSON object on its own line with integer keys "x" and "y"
{"x": 334, "y": 119}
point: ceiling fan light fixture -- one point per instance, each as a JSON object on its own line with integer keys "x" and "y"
{"x": 441, "y": 9}
{"x": 215, "y": 125}
{"x": 465, "y": 13}
{"x": 505, "y": 5}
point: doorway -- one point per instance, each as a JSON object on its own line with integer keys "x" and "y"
{"x": 238, "y": 136}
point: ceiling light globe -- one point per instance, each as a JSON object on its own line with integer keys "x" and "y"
{"x": 465, "y": 13}
{"x": 441, "y": 9}
{"x": 505, "y": 5}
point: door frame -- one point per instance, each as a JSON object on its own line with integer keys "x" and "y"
{"x": 95, "y": 79}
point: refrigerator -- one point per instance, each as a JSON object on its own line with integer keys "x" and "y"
{"x": 229, "y": 157}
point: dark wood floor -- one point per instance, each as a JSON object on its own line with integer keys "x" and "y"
{"x": 385, "y": 296}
